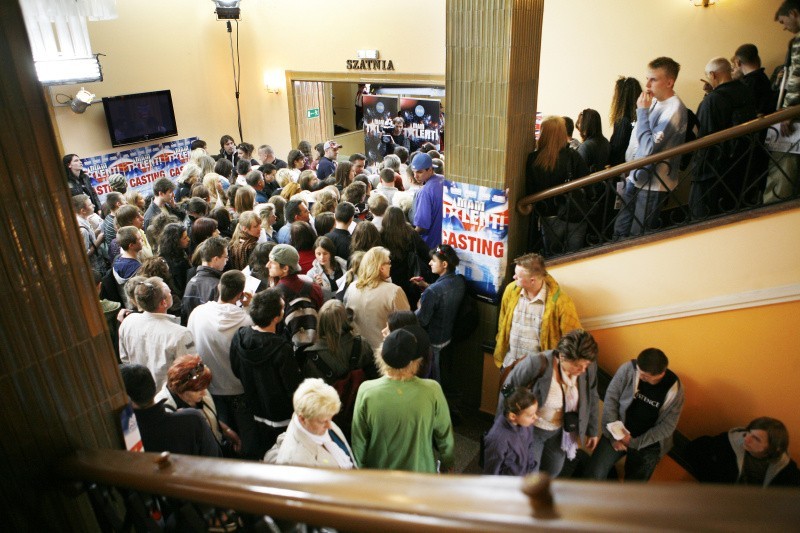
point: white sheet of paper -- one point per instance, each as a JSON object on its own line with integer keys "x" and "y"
{"x": 778, "y": 143}
{"x": 617, "y": 429}
{"x": 251, "y": 284}
{"x": 246, "y": 270}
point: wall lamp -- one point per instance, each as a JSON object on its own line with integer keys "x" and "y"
{"x": 272, "y": 82}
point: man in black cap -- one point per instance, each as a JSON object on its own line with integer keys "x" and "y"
{"x": 399, "y": 417}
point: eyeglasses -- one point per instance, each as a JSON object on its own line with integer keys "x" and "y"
{"x": 194, "y": 373}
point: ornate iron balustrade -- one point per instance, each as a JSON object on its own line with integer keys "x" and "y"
{"x": 401, "y": 501}
{"x": 728, "y": 172}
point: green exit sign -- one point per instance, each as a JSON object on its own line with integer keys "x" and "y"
{"x": 313, "y": 113}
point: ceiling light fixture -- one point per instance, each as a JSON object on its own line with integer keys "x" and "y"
{"x": 70, "y": 70}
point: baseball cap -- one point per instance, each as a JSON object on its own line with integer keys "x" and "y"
{"x": 285, "y": 254}
{"x": 331, "y": 144}
{"x": 421, "y": 162}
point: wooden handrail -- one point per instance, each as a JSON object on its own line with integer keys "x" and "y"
{"x": 525, "y": 205}
{"x": 373, "y": 500}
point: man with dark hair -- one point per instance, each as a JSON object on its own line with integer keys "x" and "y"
{"x": 198, "y": 143}
{"x": 270, "y": 173}
{"x": 340, "y": 234}
{"x": 720, "y": 169}
{"x": 152, "y": 338}
{"x": 185, "y": 431}
{"x": 428, "y": 203}
{"x": 359, "y": 161}
{"x": 163, "y": 201}
{"x": 227, "y": 149}
{"x": 267, "y": 156}
{"x": 747, "y": 68}
{"x": 303, "y": 298}
{"x": 196, "y": 208}
{"x": 202, "y": 287}
{"x": 570, "y": 124}
{"x": 642, "y": 405}
{"x": 224, "y": 168}
{"x": 295, "y": 210}
{"x": 534, "y": 313}
{"x": 264, "y": 363}
{"x": 660, "y": 125}
{"x": 114, "y": 201}
{"x": 213, "y": 325}
{"x": 327, "y": 163}
{"x": 243, "y": 166}
{"x": 130, "y": 244}
{"x": 784, "y": 168}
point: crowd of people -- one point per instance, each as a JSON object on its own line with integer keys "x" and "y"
{"x": 297, "y": 312}
{"x": 651, "y": 120}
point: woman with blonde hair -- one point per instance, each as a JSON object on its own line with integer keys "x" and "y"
{"x": 135, "y": 198}
{"x": 290, "y": 190}
{"x": 326, "y": 203}
{"x": 212, "y": 182}
{"x": 373, "y": 297}
{"x": 283, "y": 177}
{"x": 563, "y": 219}
{"x": 268, "y": 218}
{"x": 244, "y": 239}
{"x": 312, "y": 437}
{"x": 190, "y": 175}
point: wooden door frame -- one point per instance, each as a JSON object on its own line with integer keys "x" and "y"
{"x": 423, "y": 80}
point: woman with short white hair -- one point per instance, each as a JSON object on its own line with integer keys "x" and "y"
{"x": 312, "y": 438}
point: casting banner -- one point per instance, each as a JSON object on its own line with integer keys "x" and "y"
{"x": 476, "y": 224}
{"x": 422, "y": 121}
{"x": 378, "y": 114}
{"x": 141, "y": 166}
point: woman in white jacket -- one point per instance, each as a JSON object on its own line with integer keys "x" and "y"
{"x": 312, "y": 438}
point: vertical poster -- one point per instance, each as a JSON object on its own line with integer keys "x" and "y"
{"x": 378, "y": 114}
{"x": 141, "y": 166}
{"x": 130, "y": 430}
{"x": 476, "y": 225}
{"x": 423, "y": 121}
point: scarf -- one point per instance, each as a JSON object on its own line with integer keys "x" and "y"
{"x": 569, "y": 386}
{"x": 240, "y": 251}
{"x": 341, "y": 457}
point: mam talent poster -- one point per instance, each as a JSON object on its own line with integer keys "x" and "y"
{"x": 423, "y": 122}
{"x": 476, "y": 225}
{"x": 141, "y": 166}
{"x": 378, "y": 114}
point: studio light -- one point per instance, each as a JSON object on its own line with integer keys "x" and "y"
{"x": 81, "y": 101}
{"x": 227, "y": 9}
{"x": 66, "y": 71}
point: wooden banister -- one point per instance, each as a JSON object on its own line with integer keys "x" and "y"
{"x": 525, "y": 205}
{"x": 369, "y": 500}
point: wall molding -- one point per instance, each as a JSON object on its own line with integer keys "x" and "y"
{"x": 715, "y": 304}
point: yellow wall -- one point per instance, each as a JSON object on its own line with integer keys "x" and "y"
{"x": 737, "y": 364}
{"x": 587, "y": 44}
{"x": 179, "y": 45}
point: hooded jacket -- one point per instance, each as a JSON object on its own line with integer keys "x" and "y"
{"x": 213, "y": 326}
{"x": 264, "y": 363}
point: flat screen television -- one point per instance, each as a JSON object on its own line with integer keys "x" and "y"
{"x": 134, "y": 118}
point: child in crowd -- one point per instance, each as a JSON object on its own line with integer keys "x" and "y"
{"x": 507, "y": 445}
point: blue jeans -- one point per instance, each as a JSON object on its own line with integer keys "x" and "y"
{"x": 641, "y": 210}
{"x": 639, "y": 465}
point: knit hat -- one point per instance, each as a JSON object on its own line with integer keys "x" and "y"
{"x": 421, "y": 162}
{"x": 399, "y": 348}
{"x": 285, "y": 254}
{"x": 117, "y": 183}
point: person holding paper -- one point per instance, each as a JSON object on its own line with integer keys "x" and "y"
{"x": 213, "y": 325}
{"x": 640, "y": 412}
